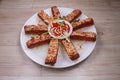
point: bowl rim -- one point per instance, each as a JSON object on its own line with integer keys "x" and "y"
{"x": 63, "y": 37}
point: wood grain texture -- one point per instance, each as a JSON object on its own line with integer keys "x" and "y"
{"x": 102, "y": 64}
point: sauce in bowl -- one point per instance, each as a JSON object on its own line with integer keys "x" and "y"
{"x": 60, "y": 29}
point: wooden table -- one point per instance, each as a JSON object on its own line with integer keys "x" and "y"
{"x": 102, "y": 64}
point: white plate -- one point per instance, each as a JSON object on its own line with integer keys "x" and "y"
{"x": 38, "y": 54}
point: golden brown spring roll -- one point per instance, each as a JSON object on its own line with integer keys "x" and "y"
{"x": 87, "y": 36}
{"x": 82, "y": 23}
{"x": 45, "y": 17}
{"x": 39, "y": 40}
{"x": 70, "y": 49}
{"x": 53, "y": 46}
{"x": 73, "y": 15}
{"x": 52, "y": 52}
{"x": 35, "y": 29}
{"x": 55, "y": 12}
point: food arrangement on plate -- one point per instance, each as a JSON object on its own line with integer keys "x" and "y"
{"x": 59, "y": 29}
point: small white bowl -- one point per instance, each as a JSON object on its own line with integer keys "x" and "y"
{"x": 60, "y": 37}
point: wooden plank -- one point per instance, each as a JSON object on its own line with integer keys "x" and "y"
{"x": 62, "y": 78}
{"x": 10, "y": 34}
{"x": 15, "y": 16}
{"x": 14, "y": 62}
{"x": 102, "y": 64}
{"x": 6, "y": 4}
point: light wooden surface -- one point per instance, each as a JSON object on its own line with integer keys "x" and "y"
{"x": 102, "y": 64}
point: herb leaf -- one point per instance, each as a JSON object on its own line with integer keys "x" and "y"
{"x": 76, "y": 20}
{"x": 32, "y": 37}
{"x": 62, "y": 23}
{"x": 62, "y": 17}
{"x": 80, "y": 46}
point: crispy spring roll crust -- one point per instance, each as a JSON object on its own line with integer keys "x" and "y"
{"x": 55, "y": 12}
{"x": 87, "y": 36}
{"x": 45, "y": 17}
{"x": 70, "y": 49}
{"x": 82, "y": 23}
{"x": 39, "y": 40}
{"x": 73, "y": 15}
{"x": 52, "y": 52}
{"x": 53, "y": 46}
{"x": 34, "y": 29}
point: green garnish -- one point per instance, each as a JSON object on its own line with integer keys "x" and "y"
{"x": 62, "y": 17}
{"x": 80, "y": 46}
{"x": 32, "y": 37}
{"x": 62, "y": 23}
{"x": 59, "y": 43}
{"x": 46, "y": 32}
{"x": 76, "y": 20}
{"x": 67, "y": 39}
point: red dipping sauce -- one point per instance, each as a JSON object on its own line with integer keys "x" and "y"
{"x": 60, "y": 29}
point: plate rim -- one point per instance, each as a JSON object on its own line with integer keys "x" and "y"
{"x": 48, "y": 66}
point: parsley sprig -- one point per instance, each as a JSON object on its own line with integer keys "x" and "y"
{"x": 62, "y": 18}
{"x": 76, "y": 20}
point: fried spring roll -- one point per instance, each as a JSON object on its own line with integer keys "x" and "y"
{"x": 55, "y": 12}
{"x": 52, "y": 52}
{"x": 45, "y": 17}
{"x": 53, "y": 46}
{"x": 70, "y": 49}
{"x": 73, "y": 15}
{"x": 34, "y": 29}
{"x": 82, "y": 23}
{"x": 39, "y": 40}
{"x": 87, "y": 36}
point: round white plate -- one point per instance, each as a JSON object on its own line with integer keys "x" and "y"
{"x": 38, "y": 54}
